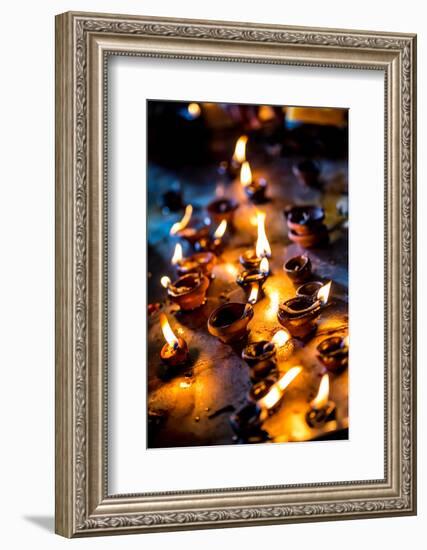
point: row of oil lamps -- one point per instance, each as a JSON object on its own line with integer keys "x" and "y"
{"x": 229, "y": 321}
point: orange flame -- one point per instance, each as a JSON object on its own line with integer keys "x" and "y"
{"x": 220, "y": 230}
{"x": 266, "y": 113}
{"x": 184, "y": 222}
{"x": 253, "y": 296}
{"x": 165, "y": 281}
{"x": 322, "y": 396}
{"x": 245, "y": 174}
{"x": 277, "y": 389}
{"x": 280, "y": 338}
{"x": 262, "y": 245}
{"x": 240, "y": 149}
{"x": 170, "y": 337}
{"x": 346, "y": 341}
{"x": 323, "y": 293}
{"x": 177, "y": 255}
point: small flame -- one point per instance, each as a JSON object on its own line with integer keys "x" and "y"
{"x": 280, "y": 338}
{"x": 170, "y": 337}
{"x": 323, "y": 293}
{"x": 240, "y": 149}
{"x": 165, "y": 281}
{"x": 277, "y": 389}
{"x": 184, "y": 384}
{"x": 245, "y": 174}
{"x": 322, "y": 396}
{"x": 346, "y": 341}
{"x": 220, "y": 230}
{"x": 253, "y": 296}
{"x": 184, "y": 222}
{"x": 262, "y": 245}
{"x": 194, "y": 110}
{"x": 264, "y": 266}
{"x": 289, "y": 377}
{"x": 177, "y": 255}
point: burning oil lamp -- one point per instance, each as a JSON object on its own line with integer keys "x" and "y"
{"x": 305, "y": 225}
{"x": 282, "y": 341}
{"x": 213, "y": 244}
{"x": 202, "y": 262}
{"x": 251, "y": 258}
{"x": 273, "y": 395}
{"x": 189, "y": 291}
{"x": 309, "y": 289}
{"x": 175, "y": 352}
{"x": 321, "y": 409}
{"x": 253, "y": 279}
{"x": 191, "y": 232}
{"x": 229, "y": 322}
{"x": 261, "y": 358}
{"x": 254, "y": 189}
{"x": 298, "y": 268}
{"x": 299, "y": 315}
{"x": 222, "y": 209}
{"x": 333, "y": 353}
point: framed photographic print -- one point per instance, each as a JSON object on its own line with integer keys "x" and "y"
{"x": 235, "y": 274}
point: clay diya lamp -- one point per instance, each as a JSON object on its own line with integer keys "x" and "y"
{"x": 175, "y": 352}
{"x": 202, "y": 262}
{"x": 252, "y": 280}
{"x": 305, "y": 225}
{"x": 222, "y": 209}
{"x": 333, "y": 353}
{"x": 255, "y": 189}
{"x": 307, "y": 173}
{"x": 189, "y": 291}
{"x": 309, "y": 289}
{"x": 261, "y": 358}
{"x": 298, "y": 269}
{"x": 229, "y": 322}
{"x": 194, "y": 232}
{"x": 246, "y": 424}
{"x": 232, "y": 167}
{"x": 215, "y": 242}
{"x": 249, "y": 259}
{"x": 299, "y": 315}
{"x": 322, "y": 410}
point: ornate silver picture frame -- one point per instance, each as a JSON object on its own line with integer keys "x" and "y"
{"x": 84, "y": 42}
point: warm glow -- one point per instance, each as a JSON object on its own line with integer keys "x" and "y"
{"x": 321, "y": 399}
{"x": 262, "y": 245}
{"x": 184, "y": 384}
{"x": 273, "y": 306}
{"x": 280, "y": 338}
{"x": 245, "y": 174}
{"x": 194, "y": 110}
{"x": 220, "y": 230}
{"x": 323, "y": 293}
{"x": 253, "y": 296}
{"x": 184, "y": 222}
{"x": 276, "y": 390}
{"x": 232, "y": 270}
{"x": 289, "y": 377}
{"x": 165, "y": 281}
{"x": 240, "y": 149}
{"x": 264, "y": 266}
{"x": 177, "y": 255}
{"x": 346, "y": 341}
{"x": 266, "y": 113}
{"x": 170, "y": 337}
